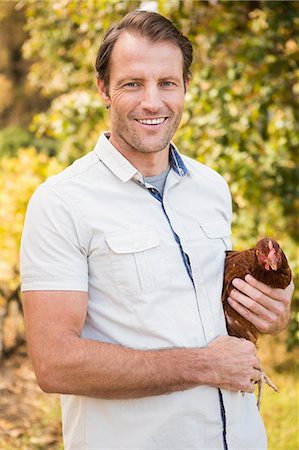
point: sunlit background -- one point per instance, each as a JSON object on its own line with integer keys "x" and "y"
{"x": 241, "y": 118}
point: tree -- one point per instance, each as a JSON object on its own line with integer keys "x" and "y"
{"x": 19, "y": 98}
{"x": 19, "y": 177}
{"x": 241, "y": 113}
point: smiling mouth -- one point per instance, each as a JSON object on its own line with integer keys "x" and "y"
{"x": 156, "y": 121}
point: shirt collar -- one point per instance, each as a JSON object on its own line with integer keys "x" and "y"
{"x": 176, "y": 161}
{"x": 123, "y": 169}
{"x": 113, "y": 159}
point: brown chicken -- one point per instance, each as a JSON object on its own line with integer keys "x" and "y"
{"x": 267, "y": 263}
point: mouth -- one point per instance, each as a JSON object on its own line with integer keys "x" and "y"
{"x": 152, "y": 122}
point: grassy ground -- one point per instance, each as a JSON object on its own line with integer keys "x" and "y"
{"x": 280, "y": 411}
{"x": 30, "y": 419}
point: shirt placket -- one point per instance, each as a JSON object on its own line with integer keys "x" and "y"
{"x": 203, "y": 307}
{"x": 202, "y": 298}
{"x": 193, "y": 269}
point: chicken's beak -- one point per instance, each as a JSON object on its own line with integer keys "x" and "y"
{"x": 272, "y": 259}
{"x": 273, "y": 263}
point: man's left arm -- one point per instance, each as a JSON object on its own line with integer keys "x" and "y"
{"x": 268, "y": 309}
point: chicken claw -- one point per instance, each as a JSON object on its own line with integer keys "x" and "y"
{"x": 260, "y": 384}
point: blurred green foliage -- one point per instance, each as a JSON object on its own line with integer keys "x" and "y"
{"x": 241, "y": 115}
{"x": 20, "y": 175}
{"x": 14, "y": 138}
{"x": 242, "y": 111}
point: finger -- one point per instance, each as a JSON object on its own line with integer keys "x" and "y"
{"x": 251, "y": 291}
{"x": 260, "y": 323}
{"x": 273, "y": 305}
{"x": 267, "y": 290}
{"x": 257, "y": 375}
{"x": 275, "y": 299}
{"x": 266, "y": 309}
{"x": 249, "y": 387}
{"x": 281, "y": 295}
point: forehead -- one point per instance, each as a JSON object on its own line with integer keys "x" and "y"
{"x": 135, "y": 53}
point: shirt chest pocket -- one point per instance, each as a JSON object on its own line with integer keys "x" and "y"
{"x": 215, "y": 241}
{"x": 217, "y": 231}
{"x": 138, "y": 261}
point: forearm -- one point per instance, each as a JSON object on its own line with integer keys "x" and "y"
{"x": 101, "y": 370}
{"x": 91, "y": 368}
{"x": 66, "y": 363}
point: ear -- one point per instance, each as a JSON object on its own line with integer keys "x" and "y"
{"x": 103, "y": 91}
{"x": 187, "y": 83}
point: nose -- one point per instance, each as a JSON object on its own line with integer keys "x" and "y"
{"x": 151, "y": 99}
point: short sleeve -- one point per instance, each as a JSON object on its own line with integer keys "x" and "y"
{"x": 52, "y": 255}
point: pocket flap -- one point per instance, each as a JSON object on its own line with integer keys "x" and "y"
{"x": 216, "y": 228}
{"x": 133, "y": 241}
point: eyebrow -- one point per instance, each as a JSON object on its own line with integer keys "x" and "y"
{"x": 128, "y": 79}
{"x": 136, "y": 79}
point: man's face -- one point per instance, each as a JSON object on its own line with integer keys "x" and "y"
{"x": 146, "y": 94}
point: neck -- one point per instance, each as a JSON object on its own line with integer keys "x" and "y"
{"x": 148, "y": 164}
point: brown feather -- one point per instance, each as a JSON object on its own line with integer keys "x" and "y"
{"x": 237, "y": 265}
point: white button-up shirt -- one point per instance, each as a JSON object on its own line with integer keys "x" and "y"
{"x": 96, "y": 227}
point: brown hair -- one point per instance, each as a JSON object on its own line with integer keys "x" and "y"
{"x": 150, "y": 25}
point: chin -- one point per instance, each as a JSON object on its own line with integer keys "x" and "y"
{"x": 153, "y": 148}
{"x": 146, "y": 146}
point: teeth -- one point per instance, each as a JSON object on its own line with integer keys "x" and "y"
{"x": 151, "y": 121}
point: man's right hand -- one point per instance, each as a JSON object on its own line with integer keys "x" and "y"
{"x": 234, "y": 364}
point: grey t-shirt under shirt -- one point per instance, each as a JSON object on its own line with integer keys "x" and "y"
{"x": 158, "y": 181}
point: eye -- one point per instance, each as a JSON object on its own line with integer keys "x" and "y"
{"x": 131, "y": 84}
{"x": 168, "y": 83}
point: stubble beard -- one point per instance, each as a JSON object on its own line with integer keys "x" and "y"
{"x": 135, "y": 142}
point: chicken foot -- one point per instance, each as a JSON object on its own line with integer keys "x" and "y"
{"x": 260, "y": 386}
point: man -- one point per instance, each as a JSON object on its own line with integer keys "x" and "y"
{"x": 122, "y": 266}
